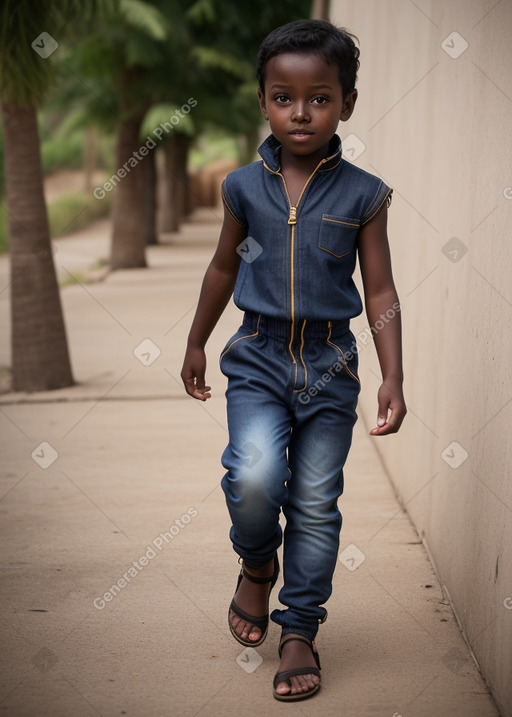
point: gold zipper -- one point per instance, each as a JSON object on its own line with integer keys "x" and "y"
{"x": 292, "y": 221}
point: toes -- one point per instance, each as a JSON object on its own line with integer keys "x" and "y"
{"x": 234, "y": 621}
{"x": 308, "y": 682}
{"x": 244, "y": 629}
{"x": 255, "y": 634}
{"x": 299, "y": 684}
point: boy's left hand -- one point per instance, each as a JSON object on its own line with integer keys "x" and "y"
{"x": 392, "y": 408}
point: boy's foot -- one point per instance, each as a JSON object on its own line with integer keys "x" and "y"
{"x": 297, "y": 654}
{"x": 251, "y": 599}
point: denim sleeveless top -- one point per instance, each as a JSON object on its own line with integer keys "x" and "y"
{"x": 297, "y": 261}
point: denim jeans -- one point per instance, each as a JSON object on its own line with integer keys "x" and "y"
{"x": 291, "y": 399}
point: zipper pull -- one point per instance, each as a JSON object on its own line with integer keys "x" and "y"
{"x": 292, "y": 219}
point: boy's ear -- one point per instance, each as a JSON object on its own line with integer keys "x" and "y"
{"x": 261, "y": 100}
{"x": 348, "y": 105}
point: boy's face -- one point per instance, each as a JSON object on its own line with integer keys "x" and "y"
{"x": 304, "y": 102}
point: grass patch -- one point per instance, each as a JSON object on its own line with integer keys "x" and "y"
{"x": 5, "y": 379}
{"x": 59, "y": 152}
{"x": 211, "y": 147}
{"x": 77, "y": 278}
{"x": 76, "y": 211}
{"x": 67, "y": 214}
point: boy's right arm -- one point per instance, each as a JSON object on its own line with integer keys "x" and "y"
{"x": 218, "y": 284}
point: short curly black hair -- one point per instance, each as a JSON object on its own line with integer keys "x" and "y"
{"x": 312, "y": 37}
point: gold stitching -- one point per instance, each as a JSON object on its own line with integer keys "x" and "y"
{"x": 340, "y": 221}
{"x": 338, "y": 256}
{"x": 228, "y": 207}
{"x": 302, "y": 342}
{"x": 250, "y": 336}
{"x": 344, "y": 361}
{"x": 378, "y": 208}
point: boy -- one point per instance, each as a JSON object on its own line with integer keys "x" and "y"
{"x": 297, "y": 218}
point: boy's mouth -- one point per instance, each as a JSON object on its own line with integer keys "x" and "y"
{"x": 300, "y": 134}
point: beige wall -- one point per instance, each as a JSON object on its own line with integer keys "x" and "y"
{"x": 438, "y": 129}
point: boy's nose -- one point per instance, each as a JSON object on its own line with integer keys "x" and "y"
{"x": 300, "y": 112}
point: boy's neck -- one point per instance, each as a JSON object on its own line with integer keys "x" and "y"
{"x": 302, "y": 164}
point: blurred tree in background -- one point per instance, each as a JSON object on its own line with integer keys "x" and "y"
{"x": 40, "y": 357}
{"x": 158, "y": 75}
{"x": 121, "y": 59}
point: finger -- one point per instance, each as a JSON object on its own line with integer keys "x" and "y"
{"x": 202, "y": 394}
{"x": 190, "y": 384}
{"x": 383, "y": 430}
{"x": 391, "y": 424}
{"x": 196, "y": 388}
{"x": 382, "y": 418}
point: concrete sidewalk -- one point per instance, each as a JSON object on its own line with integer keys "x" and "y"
{"x": 117, "y": 571}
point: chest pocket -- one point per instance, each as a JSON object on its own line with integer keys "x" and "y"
{"x": 337, "y": 235}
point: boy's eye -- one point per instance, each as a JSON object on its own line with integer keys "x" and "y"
{"x": 285, "y": 99}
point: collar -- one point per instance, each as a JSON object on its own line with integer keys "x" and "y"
{"x": 270, "y": 152}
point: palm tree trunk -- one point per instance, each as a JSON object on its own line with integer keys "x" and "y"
{"x": 170, "y": 216}
{"x": 321, "y": 9}
{"x": 182, "y": 151}
{"x": 149, "y": 198}
{"x": 128, "y": 238}
{"x": 247, "y": 146}
{"x": 177, "y": 148}
{"x": 40, "y": 357}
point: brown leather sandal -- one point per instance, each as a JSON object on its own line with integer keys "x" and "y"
{"x": 259, "y": 622}
{"x": 287, "y": 674}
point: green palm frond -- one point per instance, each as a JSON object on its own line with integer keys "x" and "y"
{"x": 144, "y": 17}
{"x": 76, "y": 119}
{"x": 26, "y": 70}
{"x": 24, "y": 75}
{"x": 171, "y": 117}
{"x": 211, "y": 59}
{"x": 141, "y": 51}
{"x": 202, "y": 11}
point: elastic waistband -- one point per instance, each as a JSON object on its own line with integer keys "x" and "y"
{"x": 281, "y": 329}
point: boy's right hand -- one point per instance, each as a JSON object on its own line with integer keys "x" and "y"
{"x": 193, "y": 374}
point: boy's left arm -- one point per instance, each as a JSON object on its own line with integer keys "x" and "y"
{"x": 383, "y": 312}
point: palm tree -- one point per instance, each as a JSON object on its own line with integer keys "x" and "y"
{"x": 40, "y": 357}
{"x": 175, "y": 145}
{"x": 119, "y": 58}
